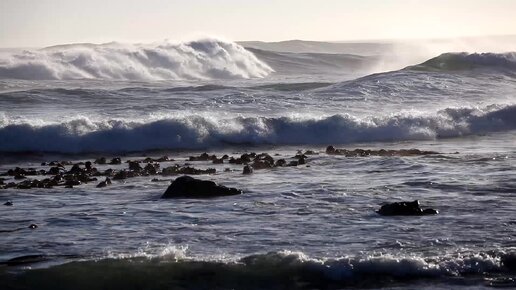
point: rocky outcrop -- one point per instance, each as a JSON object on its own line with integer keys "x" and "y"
{"x": 405, "y": 208}
{"x": 189, "y": 187}
{"x": 382, "y": 152}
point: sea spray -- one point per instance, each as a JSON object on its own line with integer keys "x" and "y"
{"x": 202, "y": 59}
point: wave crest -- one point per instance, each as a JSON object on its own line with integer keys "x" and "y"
{"x": 83, "y": 135}
{"x": 274, "y": 270}
{"x": 202, "y": 59}
{"x": 469, "y": 61}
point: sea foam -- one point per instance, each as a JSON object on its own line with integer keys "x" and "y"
{"x": 82, "y": 135}
{"x": 274, "y": 270}
{"x": 201, "y": 59}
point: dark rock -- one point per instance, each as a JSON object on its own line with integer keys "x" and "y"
{"x": 293, "y": 163}
{"x": 72, "y": 183}
{"x": 246, "y": 158}
{"x": 280, "y": 163}
{"x": 405, "y": 208}
{"x": 163, "y": 159}
{"x": 76, "y": 169}
{"x": 116, "y": 160}
{"x": 509, "y": 261}
{"x": 8, "y": 203}
{"x": 262, "y": 164}
{"x": 104, "y": 183}
{"x": 26, "y": 184}
{"x": 134, "y": 166}
{"x": 247, "y": 169}
{"x": 330, "y": 150}
{"x": 430, "y": 211}
{"x": 382, "y": 152}
{"x": 189, "y": 187}
{"x": 54, "y": 170}
{"x": 176, "y": 169}
{"x": 120, "y": 175}
{"x": 31, "y": 172}
{"x": 101, "y": 160}
{"x": 234, "y": 160}
{"x": 203, "y": 157}
{"x": 88, "y": 164}
{"x": 151, "y": 168}
{"x": 218, "y": 161}
{"x": 10, "y": 185}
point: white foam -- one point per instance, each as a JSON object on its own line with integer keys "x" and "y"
{"x": 201, "y": 59}
{"x": 196, "y": 131}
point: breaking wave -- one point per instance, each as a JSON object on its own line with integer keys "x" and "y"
{"x": 83, "y": 135}
{"x": 468, "y": 61}
{"x": 202, "y": 59}
{"x": 274, "y": 270}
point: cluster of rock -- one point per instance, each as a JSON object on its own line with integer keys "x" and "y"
{"x": 253, "y": 161}
{"x": 69, "y": 175}
{"x": 381, "y": 152}
{"x": 60, "y": 174}
{"x": 56, "y": 175}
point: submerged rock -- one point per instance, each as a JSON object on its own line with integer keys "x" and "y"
{"x": 405, "y": 208}
{"x": 104, "y": 183}
{"x": 189, "y": 187}
{"x": 247, "y": 169}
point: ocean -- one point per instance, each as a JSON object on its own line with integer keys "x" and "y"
{"x": 312, "y": 225}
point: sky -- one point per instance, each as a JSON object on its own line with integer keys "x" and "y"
{"x": 37, "y": 23}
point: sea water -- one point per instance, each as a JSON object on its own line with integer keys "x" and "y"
{"x": 309, "y": 226}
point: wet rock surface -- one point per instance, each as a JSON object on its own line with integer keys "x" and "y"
{"x": 405, "y": 208}
{"x": 189, "y": 187}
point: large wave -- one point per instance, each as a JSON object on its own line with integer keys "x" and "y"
{"x": 195, "y": 132}
{"x": 274, "y": 270}
{"x": 202, "y": 59}
{"x": 468, "y": 61}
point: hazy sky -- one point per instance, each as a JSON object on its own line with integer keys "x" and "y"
{"x": 47, "y": 22}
